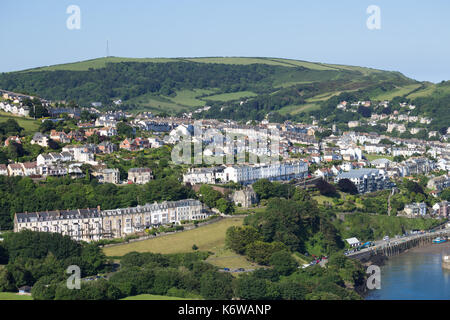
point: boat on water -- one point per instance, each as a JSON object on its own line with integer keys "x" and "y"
{"x": 439, "y": 240}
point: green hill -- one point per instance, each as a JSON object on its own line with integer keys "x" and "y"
{"x": 239, "y": 88}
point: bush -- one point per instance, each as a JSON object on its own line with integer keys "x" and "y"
{"x": 261, "y": 252}
{"x": 347, "y": 186}
{"x": 216, "y": 286}
{"x": 251, "y": 288}
{"x": 238, "y": 238}
{"x": 283, "y": 262}
{"x": 326, "y": 189}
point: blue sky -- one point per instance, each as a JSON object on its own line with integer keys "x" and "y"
{"x": 413, "y": 39}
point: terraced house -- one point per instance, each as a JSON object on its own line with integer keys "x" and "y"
{"x": 95, "y": 224}
{"x": 81, "y": 224}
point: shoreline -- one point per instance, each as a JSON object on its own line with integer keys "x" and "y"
{"x": 415, "y": 274}
{"x": 431, "y": 248}
{"x": 442, "y": 248}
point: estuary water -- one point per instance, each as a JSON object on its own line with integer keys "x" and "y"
{"x": 415, "y": 275}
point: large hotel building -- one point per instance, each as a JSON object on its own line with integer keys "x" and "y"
{"x": 95, "y": 224}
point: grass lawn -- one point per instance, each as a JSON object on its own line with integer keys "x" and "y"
{"x": 13, "y": 296}
{"x": 30, "y": 125}
{"x": 249, "y": 210}
{"x": 225, "y": 258}
{"x": 207, "y": 238}
{"x": 153, "y": 297}
{"x": 371, "y": 157}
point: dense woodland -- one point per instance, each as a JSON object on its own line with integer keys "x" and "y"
{"x": 126, "y": 80}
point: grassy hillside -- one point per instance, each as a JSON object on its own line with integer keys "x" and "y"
{"x": 207, "y": 238}
{"x": 101, "y": 63}
{"x": 176, "y": 85}
{"x": 30, "y": 125}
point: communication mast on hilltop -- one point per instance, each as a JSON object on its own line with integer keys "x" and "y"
{"x": 107, "y": 48}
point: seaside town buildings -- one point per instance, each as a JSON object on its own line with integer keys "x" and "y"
{"x": 367, "y": 180}
{"x": 140, "y": 175}
{"x": 96, "y": 224}
{"x": 248, "y": 174}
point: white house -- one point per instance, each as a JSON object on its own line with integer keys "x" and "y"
{"x": 353, "y": 242}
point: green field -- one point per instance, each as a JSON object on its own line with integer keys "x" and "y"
{"x": 305, "y": 64}
{"x": 371, "y": 157}
{"x": 207, "y": 238}
{"x": 190, "y": 97}
{"x": 30, "y": 125}
{"x": 239, "y": 60}
{"x": 399, "y": 92}
{"x": 424, "y": 92}
{"x": 231, "y": 96}
{"x": 150, "y": 102}
{"x": 152, "y": 297}
{"x": 184, "y": 101}
{"x": 13, "y": 296}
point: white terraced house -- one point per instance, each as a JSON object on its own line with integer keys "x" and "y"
{"x": 81, "y": 224}
{"x": 96, "y": 224}
{"x": 278, "y": 171}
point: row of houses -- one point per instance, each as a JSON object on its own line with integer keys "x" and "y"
{"x": 16, "y": 109}
{"x": 96, "y": 224}
{"x": 247, "y": 174}
{"x": 420, "y": 209}
{"x": 32, "y": 169}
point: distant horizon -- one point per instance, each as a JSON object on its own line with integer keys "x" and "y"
{"x": 217, "y": 56}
